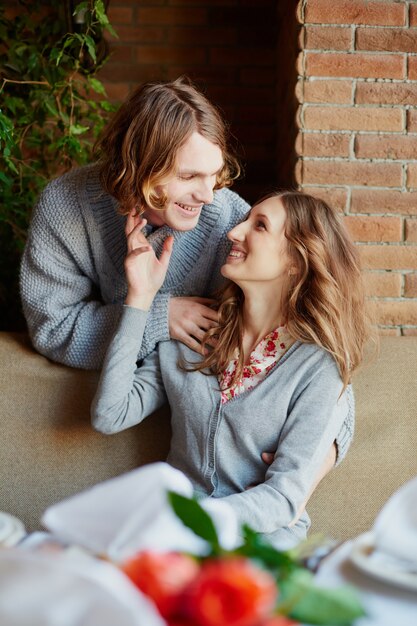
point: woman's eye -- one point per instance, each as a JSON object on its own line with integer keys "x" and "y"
{"x": 260, "y": 225}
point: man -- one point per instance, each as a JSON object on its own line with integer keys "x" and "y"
{"x": 164, "y": 155}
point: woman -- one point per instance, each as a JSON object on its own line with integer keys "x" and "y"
{"x": 276, "y": 372}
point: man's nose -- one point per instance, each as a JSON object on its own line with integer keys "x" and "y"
{"x": 205, "y": 191}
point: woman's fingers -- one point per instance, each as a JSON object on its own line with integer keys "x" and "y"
{"x": 166, "y": 251}
{"x": 136, "y": 237}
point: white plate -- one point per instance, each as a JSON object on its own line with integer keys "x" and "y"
{"x": 11, "y": 529}
{"x": 363, "y": 556}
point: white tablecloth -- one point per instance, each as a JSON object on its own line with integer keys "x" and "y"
{"x": 385, "y": 604}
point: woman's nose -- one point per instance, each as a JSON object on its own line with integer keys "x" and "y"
{"x": 237, "y": 233}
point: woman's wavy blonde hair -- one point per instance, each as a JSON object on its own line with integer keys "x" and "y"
{"x": 138, "y": 149}
{"x": 325, "y": 301}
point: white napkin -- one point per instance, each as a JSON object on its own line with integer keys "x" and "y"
{"x": 123, "y": 515}
{"x": 395, "y": 527}
{"x": 54, "y": 590}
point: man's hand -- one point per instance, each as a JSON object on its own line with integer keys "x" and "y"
{"x": 189, "y": 319}
{"x": 328, "y": 464}
{"x": 144, "y": 272}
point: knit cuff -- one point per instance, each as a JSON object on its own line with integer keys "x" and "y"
{"x": 157, "y": 327}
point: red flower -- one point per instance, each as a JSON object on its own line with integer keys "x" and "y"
{"x": 279, "y": 620}
{"x": 270, "y": 346}
{"x": 231, "y": 592}
{"x": 162, "y": 577}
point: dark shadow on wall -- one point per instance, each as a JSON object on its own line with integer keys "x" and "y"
{"x": 257, "y": 96}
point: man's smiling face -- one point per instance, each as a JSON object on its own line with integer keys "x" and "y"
{"x": 198, "y": 163}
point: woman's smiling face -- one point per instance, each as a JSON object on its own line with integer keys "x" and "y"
{"x": 259, "y": 251}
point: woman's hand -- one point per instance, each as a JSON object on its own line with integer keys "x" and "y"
{"x": 145, "y": 274}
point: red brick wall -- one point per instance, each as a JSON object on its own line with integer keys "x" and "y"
{"x": 357, "y": 142}
{"x": 242, "y": 53}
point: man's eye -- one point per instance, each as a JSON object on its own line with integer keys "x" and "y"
{"x": 185, "y": 177}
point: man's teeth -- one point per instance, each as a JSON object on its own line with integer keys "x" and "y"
{"x": 192, "y": 209}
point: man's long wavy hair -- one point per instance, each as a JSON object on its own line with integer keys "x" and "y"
{"x": 324, "y": 302}
{"x": 138, "y": 149}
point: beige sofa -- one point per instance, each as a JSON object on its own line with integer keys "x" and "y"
{"x": 49, "y": 450}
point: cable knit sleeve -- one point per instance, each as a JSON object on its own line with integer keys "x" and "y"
{"x": 67, "y": 320}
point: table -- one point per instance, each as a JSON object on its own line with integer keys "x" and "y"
{"x": 385, "y": 604}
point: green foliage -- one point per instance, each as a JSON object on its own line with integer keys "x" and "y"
{"x": 52, "y": 108}
{"x": 299, "y": 596}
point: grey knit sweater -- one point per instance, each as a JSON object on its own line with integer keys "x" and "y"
{"x": 72, "y": 275}
{"x": 295, "y": 410}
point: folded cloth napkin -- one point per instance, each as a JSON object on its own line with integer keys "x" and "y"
{"x": 50, "y": 589}
{"x": 123, "y": 515}
{"x": 395, "y": 527}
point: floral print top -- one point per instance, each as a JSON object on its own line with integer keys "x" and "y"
{"x": 263, "y": 358}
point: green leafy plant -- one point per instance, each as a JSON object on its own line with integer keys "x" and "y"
{"x": 52, "y": 107}
{"x": 298, "y": 596}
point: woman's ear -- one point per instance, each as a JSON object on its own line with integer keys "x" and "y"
{"x": 292, "y": 271}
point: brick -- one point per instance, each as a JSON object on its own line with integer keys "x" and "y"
{"x": 172, "y": 16}
{"x": 386, "y": 93}
{"x": 120, "y": 15}
{"x": 413, "y": 15}
{"x": 385, "y": 147}
{"x": 351, "y": 173}
{"x": 410, "y": 285}
{"x": 323, "y": 144}
{"x": 411, "y": 230}
{"x": 168, "y": 54}
{"x": 122, "y": 72}
{"x": 355, "y": 65}
{"x": 412, "y": 176}
{"x": 327, "y": 38}
{"x": 412, "y": 68}
{"x": 121, "y": 54}
{"x": 393, "y": 312}
{"x": 355, "y": 12}
{"x": 388, "y": 331}
{"x": 213, "y": 35}
{"x": 116, "y": 92}
{"x": 409, "y": 332}
{"x": 382, "y": 284}
{"x": 389, "y": 257}
{"x": 352, "y": 118}
{"x": 369, "y": 228}
{"x": 386, "y": 39}
{"x": 141, "y": 34}
{"x": 325, "y": 91}
{"x": 333, "y": 196}
{"x": 412, "y": 121}
{"x": 383, "y": 201}
{"x": 203, "y": 75}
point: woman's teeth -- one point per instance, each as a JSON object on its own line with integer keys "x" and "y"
{"x": 237, "y": 254}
